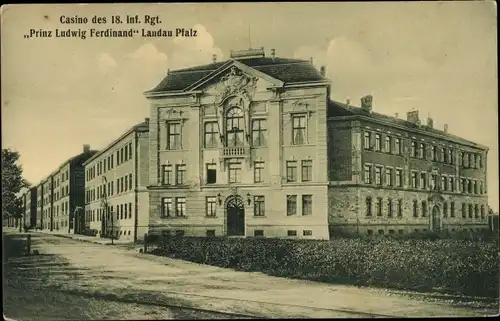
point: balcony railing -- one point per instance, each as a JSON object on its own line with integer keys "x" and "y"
{"x": 229, "y": 152}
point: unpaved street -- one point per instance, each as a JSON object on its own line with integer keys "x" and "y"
{"x": 124, "y": 284}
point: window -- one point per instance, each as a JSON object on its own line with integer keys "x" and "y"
{"x": 434, "y": 183}
{"x": 444, "y": 183}
{"x": 399, "y": 177}
{"x": 167, "y": 207}
{"x": 126, "y": 152}
{"x": 368, "y": 174}
{"x": 173, "y": 136}
{"x": 476, "y": 211}
{"x": 413, "y": 149}
{"x": 424, "y": 209}
{"x": 397, "y": 146}
{"x": 369, "y": 211}
{"x": 129, "y": 210}
{"x": 291, "y": 171}
{"x": 389, "y": 207}
{"x": 475, "y": 187}
{"x": 258, "y": 233}
{"x": 259, "y": 206}
{"x": 450, "y": 156}
{"x": 291, "y": 205}
{"x": 388, "y": 144}
{"x": 125, "y": 211}
{"x": 258, "y": 169}
{"x": 307, "y": 232}
{"x": 471, "y": 210}
{"x": 259, "y": 132}
{"x": 378, "y": 175}
{"x": 451, "y": 184}
{"x": 112, "y": 162}
{"x": 234, "y": 172}
{"x": 306, "y": 170}
{"x": 129, "y": 181}
{"x": 443, "y": 153}
{"x": 299, "y": 130}
{"x": 378, "y": 143}
{"x": 180, "y": 203}
{"x": 292, "y": 232}
{"x": 423, "y": 180}
{"x": 469, "y": 186}
{"x": 367, "y": 141}
{"x": 445, "y": 209}
{"x": 379, "y": 206}
{"x": 121, "y": 211}
{"x": 211, "y": 173}
{"x": 482, "y": 211}
{"x": 481, "y": 188}
{"x": 126, "y": 183}
{"x": 234, "y": 127}
{"x": 306, "y": 204}
{"x": 388, "y": 176}
{"x": 400, "y": 208}
{"x": 464, "y": 210}
{"x": 452, "y": 209}
{"x": 211, "y": 133}
{"x": 211, "y": 203}
{"x": 421, "y": 151}
{"x": 181, "y": 174}
{"x": 415, "y": 209}
{"x": 414, "y": 179}
{"x": 122, "y": 156}
{"x": 479, "y": 161}
{"x": 381, "y": 232}
{"x": 167, "y": 175}
{"x": 129, "y": 153}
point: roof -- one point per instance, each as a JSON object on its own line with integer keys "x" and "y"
{"x": 336, "y": 109}
{"x": 287, "y": 70}
{"x": 142, "y": 126}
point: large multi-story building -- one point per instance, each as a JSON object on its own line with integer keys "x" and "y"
{"x": 393, "y": 175}
{"x": 254, "y": 146}
{"x": 61, "y": 194}
{"x": 29, "y": 207}
{"x": 116, "y": 179}
{"x": 239, "y": 148}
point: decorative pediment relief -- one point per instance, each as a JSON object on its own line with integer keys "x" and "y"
{"x": 172, "y": 113}
{"x": 300, "y": 106}
{"x": 235, "y": 83}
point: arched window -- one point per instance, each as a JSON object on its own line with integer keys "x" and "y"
{"x": 368, "y": 206}
{"x": 234, "y": 127}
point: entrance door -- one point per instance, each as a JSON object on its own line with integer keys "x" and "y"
{"x": 235, "y": 209}
{"x": 436, "y": 219}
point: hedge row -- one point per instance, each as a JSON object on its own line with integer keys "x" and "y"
{"x": 460, "y": 267}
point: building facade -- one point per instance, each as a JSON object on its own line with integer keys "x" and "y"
{"x": 29, "y": 199}
{"x": 239, "y": 148}
{"x": 389, "y": 175}
{"x": 61, "y": 194}
{"x": 116, "y": 179}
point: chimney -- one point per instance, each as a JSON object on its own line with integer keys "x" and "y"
{"x": 430, "y": 122}
{"x": 347, "y": 102}
{"x": 412, "y": 117}
{"x": 146, "y": 120}
{"x": 273, "y": 53}
{"x": 322, "y": 70}
{"x": 396, "y": 115}
{"x": 214, "y": 58}
{"x": 446, "y": 128}
{"x": 366, "y": 103}
{"x": 86, "y": 148}
{"x": 311, "y": 59}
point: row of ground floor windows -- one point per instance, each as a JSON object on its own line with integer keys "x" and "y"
{"x": 292, "y": 205}
{"x": 393, "y": 232}
{"x": 123, "y": 212}
{"x": 255, "y": 233}
{"x": 473, "y": 210}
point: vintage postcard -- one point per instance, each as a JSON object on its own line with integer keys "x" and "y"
{"x": 249, "y": 160}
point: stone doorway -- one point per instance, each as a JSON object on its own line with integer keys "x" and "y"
{"x": 235, "y": 220}
{"x": 435, "y": 222}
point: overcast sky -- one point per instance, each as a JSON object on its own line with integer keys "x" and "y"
{"x": 60, "y": 93}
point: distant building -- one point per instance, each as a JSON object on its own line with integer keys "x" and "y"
{"x": 29, "y": 207}
{"x": 61, "y": 193}
{"x": 389, "y": 175}
{"x": 253, "y": 146}
{"x": 116, "y": 179}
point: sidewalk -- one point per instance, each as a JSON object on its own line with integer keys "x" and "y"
{"x": 84, "y": 238}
